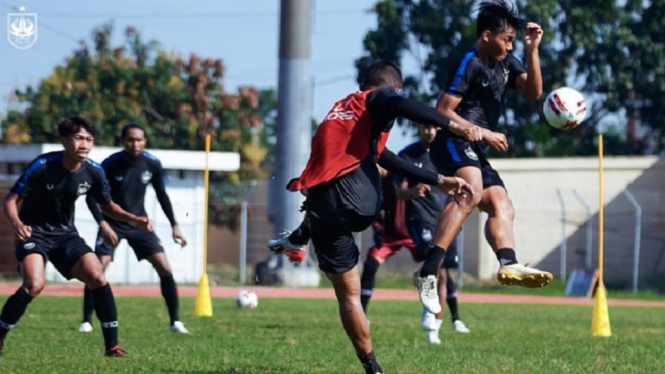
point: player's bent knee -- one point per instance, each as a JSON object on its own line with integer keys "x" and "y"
{"x": 96, "y": 280}
{"x": 34, "y": 288}
{"x": 163, "y": 271}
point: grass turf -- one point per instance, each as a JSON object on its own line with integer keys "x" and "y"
{"x": 305, "y": 336}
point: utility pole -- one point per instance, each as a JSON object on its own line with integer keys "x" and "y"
{"x": 294, "y": 110}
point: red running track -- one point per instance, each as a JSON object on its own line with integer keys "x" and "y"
{"x": 327, "y": 293}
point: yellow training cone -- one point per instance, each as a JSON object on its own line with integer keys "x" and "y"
{"x": 203, "y": 304}
{"x": 600, "y": 324}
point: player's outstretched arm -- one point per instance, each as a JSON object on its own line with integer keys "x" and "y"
{"x": 448, "y": 103}
{"x": 458, "y": 125}
{"x": 10, "y": 208}
{"x": 531, "y": 82}
{"x": 420, "y": 113}
{"x": 400, "y": 166}
{"x": 114, "y": 211}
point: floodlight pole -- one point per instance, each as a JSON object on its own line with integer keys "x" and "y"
{"x": 294, "y": 108}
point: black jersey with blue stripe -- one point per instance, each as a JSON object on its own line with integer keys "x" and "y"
{"x": 129, "y": 177}
{"x": 49, "y": 192}
{"x": 427, "y": 208}
{"x": 482, "y": 87}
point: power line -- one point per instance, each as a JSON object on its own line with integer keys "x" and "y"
{"x": 335, "y": 80}
{"x": 191, "y": 15}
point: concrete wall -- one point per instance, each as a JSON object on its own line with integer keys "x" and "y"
{"x": 532, "y": 185}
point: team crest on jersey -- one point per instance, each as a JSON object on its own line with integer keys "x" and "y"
{"x": 426, "y": 235}
{"x": 83, "y": 188}
{"x": 506, "y": 74}
{"x": 471, "y": 154}
{"x": 146, "y": 176}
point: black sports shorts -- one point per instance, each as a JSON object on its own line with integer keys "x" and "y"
{"x": 62, "y": 250}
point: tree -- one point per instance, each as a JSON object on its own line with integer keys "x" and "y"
{"x": 600, "y": 47}
{"x": 177, "y": 100}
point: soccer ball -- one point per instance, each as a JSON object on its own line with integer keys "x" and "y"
{"x": 564, "y": 108}
{"x": 247, "y": 299}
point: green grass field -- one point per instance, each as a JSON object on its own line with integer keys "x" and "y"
{"x": 305, "y": 336}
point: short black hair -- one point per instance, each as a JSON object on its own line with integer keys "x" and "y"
{"x": 125, "y": 130}
{"x": 72, "y": 125}
{"x": 383, "y": 73}
{"x": 496, "y": 16}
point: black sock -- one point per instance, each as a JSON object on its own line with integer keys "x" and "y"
{"x": 14, "y": 308}
{"x": 170, "y": 293}
{"x": 433, "y": 260}
{"x": 88, "y": 305}
{"x": 506, "y": 256}
{"x": 301, "y": 236}
{"x": 451, "y": 299}
{"x": 107, "y": 314}
{"x": 369, "y": 363}
{"x": 367, "y": 280}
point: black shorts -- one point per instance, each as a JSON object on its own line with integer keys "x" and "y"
{"x": 422, "y": 233}
{"x": 450, "y": 154}
{"x": 63, "y": 251}
{"x": 335, "y": 249}
{"x": 144, "y": 243}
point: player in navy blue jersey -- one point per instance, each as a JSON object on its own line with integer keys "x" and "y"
{"x": 44, "y": 227}
{"x": 475, "y": 93}
{"x": 129, "y": 172}
{"x": 423, "y": 206}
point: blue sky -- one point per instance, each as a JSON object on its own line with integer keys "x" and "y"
{"x": 245, "y": 34}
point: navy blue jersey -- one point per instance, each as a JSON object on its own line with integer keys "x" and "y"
{"x": 129, "y": 178}
{"x": 49, "y": 192}
{"x": 427, "y": 208}
{"x": 482, "y": 87}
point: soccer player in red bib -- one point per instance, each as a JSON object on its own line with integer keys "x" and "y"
{"x": 343, "y": 185}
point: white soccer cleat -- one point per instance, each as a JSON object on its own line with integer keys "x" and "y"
{"x": 295, "y": 253}
{"x": 179, "y": 328}
{"x": 85, "y": 327}
{"x": 523, "y": 275}
{"x": 427, "y": 320}
{"x": 433, "y": 337}
{"x": 459, "y": 326}
{"x": 428, "y": 294}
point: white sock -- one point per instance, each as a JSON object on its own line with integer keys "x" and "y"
{"x": 438, "y": 325}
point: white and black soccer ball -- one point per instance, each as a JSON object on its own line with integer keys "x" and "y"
{"x": 564, "y": 108}
{"x": 247, "y": 299}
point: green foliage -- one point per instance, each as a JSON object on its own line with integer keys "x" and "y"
{"x": 178, "y": 101}
{"x": 611, "y": 51}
